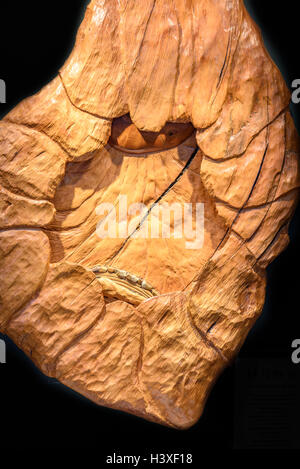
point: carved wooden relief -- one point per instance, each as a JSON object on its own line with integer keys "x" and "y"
{"x": 162, "y": 103}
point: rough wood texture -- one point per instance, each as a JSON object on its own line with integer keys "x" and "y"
{"x": 174, "y": 101}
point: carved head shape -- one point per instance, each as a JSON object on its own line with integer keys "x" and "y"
{"x": 171, "y": 103}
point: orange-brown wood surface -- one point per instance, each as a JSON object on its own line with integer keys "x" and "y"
{"x": 161, "y": 101}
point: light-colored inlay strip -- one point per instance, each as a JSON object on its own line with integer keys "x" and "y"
{"x": 124, "y": 279}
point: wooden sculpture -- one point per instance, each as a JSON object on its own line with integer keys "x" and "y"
{"x": 161, "y": 101}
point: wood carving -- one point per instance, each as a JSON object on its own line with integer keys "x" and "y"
{"x": 161, "y": 101}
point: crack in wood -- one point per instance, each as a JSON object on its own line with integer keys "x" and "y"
{"x": 157, "y": 201}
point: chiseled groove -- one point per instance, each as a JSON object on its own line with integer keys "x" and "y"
{"x": 78, "y": 337}
{"x": 26, "y": 197}
{"x": 254, "y": 184}
{"x": 77, "y": 107}
{"x": 150, "y": 405}
{"x": 211, "y": 327}
{"x": 33, "y": 128}
{"x": 5, "y": 183}
{"x": 240, "y": 155}
{"x": 278, "y": 184}
{"x": 225, "y": 65}
{"x": 26, "y": 304}
{"x": 204, "y": 337}
{"x": 178, "y": 56}
{"x": 255, "y": 207}
{"x": 88, "y": 198}
{"x": 152, "y": 409}
{"x": 281, "y": 228}
{"x": 139, "y": 364}
{"x": 21, "y": 228}
{"x": 6, "y": 187}
{"x": 166, "y": 191}
{"x": 143, "y": 39}
{"x": 230, "y": 229}
{"x": 243, "y": 240}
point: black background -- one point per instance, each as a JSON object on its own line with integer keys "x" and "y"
{"x": 35, "y": 39}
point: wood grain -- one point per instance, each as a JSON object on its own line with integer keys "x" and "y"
{"x": 164, "y": 101}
